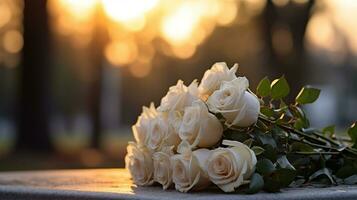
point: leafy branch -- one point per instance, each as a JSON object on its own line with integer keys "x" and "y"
{"x": 287, "y": 148}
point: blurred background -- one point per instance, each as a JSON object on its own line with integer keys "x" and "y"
{"x": 74, "y": 74}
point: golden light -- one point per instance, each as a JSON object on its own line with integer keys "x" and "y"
{"x": 343, "y": 14}
{"x": 13, "y": 41}
{"x": 134, "y": 25}
{"x": 300, "y": 1}
{"x": 121, "y": 53}
{"x": 140, "y": 70}
{"x": 185, "y": 51}
{"x": 74, "y": 18}
{"x": 79, "y": 9}
{"x": 178, "y": 27}
{"x": 280, "y": 3}
{"x": 5, "y": 14}
{"x": 333, "y": 27}
{"x": 321, "y": 33}
{"x": 124, "y": 10}
{"x": 228, "y": 12}
{"x": 255, "y": 6}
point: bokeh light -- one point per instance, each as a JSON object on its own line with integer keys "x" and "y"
{"x": 126, "y": 11}
{"x": 11, "y": 39}
{"x": 180, "y": 26}
{"x": 5, "y": 14}
{"x": 177, "y": 28}
{"x": 332, "y": 29}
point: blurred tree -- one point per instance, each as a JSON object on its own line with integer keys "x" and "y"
{"x": 97, "y": 59}
{"x": 34, "y": 81}
{"x": 284, "y": 29}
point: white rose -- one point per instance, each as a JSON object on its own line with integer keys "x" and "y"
{"x": 235, "y": 103}
{"x": 162, "y": 167}
{"x": 160, "y": 133}
{"x": 229, "y": 167}
{"x": 189, "y": 170}
{"x": 142, "y": 126}
{"x": 138, "y": 161}
{"x": 174, "y": 119}
{"x": 199, "y": 127}
{"x": 179, "y": 96}
{"x": 213, "y": 78}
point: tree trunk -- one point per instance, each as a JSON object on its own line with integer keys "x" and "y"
{"x": 35, "y": 79}
{"x": 295, "y": 18}
{"x": 97, "y": 48}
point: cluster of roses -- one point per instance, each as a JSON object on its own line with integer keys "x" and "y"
{"x": 175, "y": 142}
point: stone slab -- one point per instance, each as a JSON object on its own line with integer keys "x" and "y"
{"x": 115, "y": 184}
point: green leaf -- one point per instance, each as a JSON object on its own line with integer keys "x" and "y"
{"x": 297, "y": 112}
{"x": 329, "y": 130}
{"x": 265, "y": 167}
{"x": 346, "y": 171}
{"x": 352, "y": 132}
{"x": 234, "y": 135}
{"x": 323, "y": 171}
{"x": 298, "y": 183}
{"x": 307, "y": 95}
{"x": 257, "y": 150}
{"x": 248, "y": 142}
{"x": 270, "y": 153}
{"x": 351, "y": 180}
{"x": 279, "y": 88}
{"x": 265, "y": 138}
{"x": 285, "y": 176}
{"x": 299, "y": 146}
{"x": 271, "y": 184}
{"x": 262, "y": 126}
{"x": 299, "y": 124}
{"x": 284, "y": 163}
{"x": 267, "y": 111}
{"x": 256, "y": 183}
{"x": 264, "y": 88}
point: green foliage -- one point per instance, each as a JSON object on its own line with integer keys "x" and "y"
{"x": 352, "y": 132}
{"x": 265, "y": 167}
{"x": 258, "y": 150}
{"x": 277, "y": 178}
{"x": 285, "y": 163}
{"x": 322, "y": 172}
{"x": 301, "y": 147}
{"x": 267, "y": 111}
{"x": 307, "y": 95}
{"x": 300, "y": 117}
{"x": 248, "y": 142}
{"x": 289, "y": 151}
{"x": 346, "y": 171}
{"x": 263, "y": 88}
{"x": 279, "y": 88}
{"x": 256, "y": 184}
{"x": 329, "y": 130}
{"x": 266, "y": 139}
{"x": 350, "y": 180}
{"x": 285, "y": 176}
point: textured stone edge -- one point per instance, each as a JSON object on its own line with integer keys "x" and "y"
{"x": 21, "y": 192}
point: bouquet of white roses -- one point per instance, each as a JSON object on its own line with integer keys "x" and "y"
{"x": 220, "y": 133}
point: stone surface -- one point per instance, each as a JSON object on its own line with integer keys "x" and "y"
{"x": 115, "y": 184}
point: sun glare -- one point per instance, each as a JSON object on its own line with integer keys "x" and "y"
{"x": 124, "y": 10}
{"x": 134, "y": 25}
{"x": 178, "y": 27}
